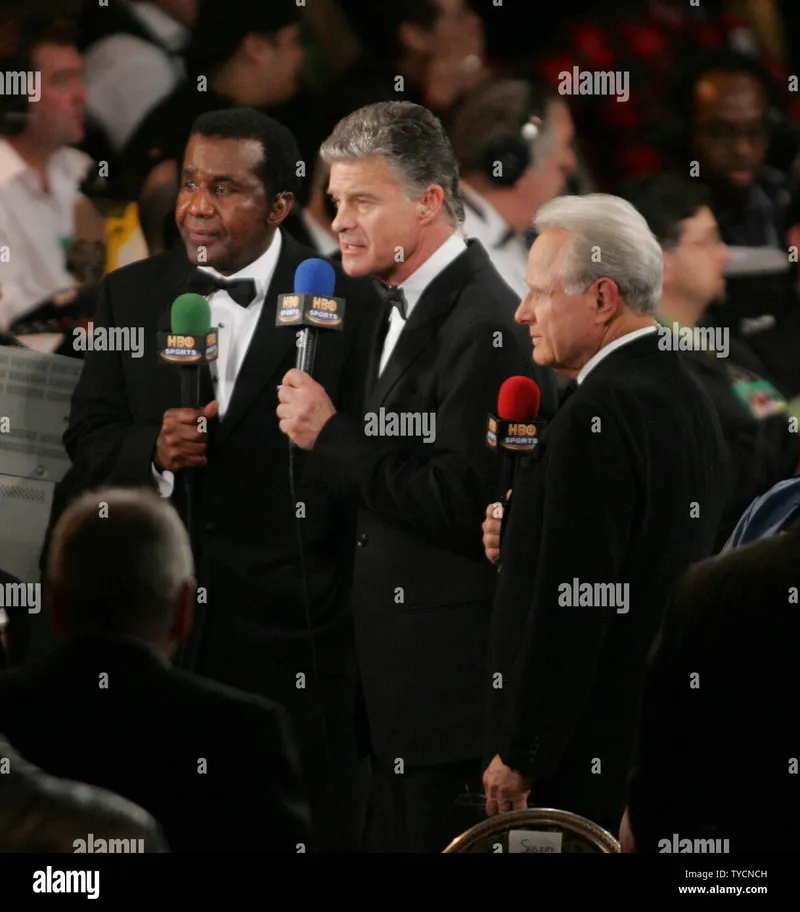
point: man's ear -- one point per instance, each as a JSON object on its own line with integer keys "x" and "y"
{"x": 282, "y": 205}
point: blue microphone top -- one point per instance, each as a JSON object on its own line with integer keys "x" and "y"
{"x": 315, "y": 277}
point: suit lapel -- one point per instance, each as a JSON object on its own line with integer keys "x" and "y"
{"x": 435, "y": 304}
{"x": 270, "y": 344}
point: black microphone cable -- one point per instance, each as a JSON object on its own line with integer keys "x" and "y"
{"x": 309, "y": 625}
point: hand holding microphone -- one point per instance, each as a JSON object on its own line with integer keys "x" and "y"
{"x": 304, "y": 406}
{"x": 513, "y": 432}
{"x": 181, "y": 444}
{"x": 491, "y": 529}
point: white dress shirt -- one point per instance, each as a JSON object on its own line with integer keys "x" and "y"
{"x": 613, "y": 346}
{"x": 36, "y": 228}
{"x": 414, "y": 286}
{"x": 507, "y": 250}
{"x": 236, "y": 327}
{"x": 126, "y": 76}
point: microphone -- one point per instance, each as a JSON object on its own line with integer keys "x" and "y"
{"x": 514, "y": 430}
{"x": 191, "y": 344}
{"x": 311, "y": 306}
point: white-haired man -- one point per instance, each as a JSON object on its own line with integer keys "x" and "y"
{"x": 621, "y": 494}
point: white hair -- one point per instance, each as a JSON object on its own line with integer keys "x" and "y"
{"x": 609, "y": 239}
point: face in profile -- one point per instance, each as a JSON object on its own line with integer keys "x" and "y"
{"x": 694, "y": 269}
{"x": 223, "y": 213}
{"x": 563, "y": 327}
{"x": 60, "y": 113}
{"x": 378, "y": 226}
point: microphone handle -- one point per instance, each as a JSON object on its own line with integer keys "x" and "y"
{"x": 307, "y": 350}
{"x": 190, "y": 398}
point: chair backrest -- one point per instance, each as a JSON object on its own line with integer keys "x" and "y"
{"x": 535, "y": 830}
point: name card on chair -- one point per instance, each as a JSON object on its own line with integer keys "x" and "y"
{"x": 533, "y": 841}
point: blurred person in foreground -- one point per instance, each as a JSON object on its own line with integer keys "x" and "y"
{"x": 619, "y": 496}
{"x": 40, "y": 813}
{"x": 715, "y": 726}
{"x": 755, "y": 417}
{"x": 216, "y": 767}
{"x": 513, "y": 141}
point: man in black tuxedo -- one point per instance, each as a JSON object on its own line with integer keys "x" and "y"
{"x": 422, "y": 592}
{"x": 124, "y": 428}
{"x": 620, "y": 495}
{"x": 714, "y": 728}
{"x": 216, "y": 767}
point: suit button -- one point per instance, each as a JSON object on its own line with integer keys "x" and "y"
{"x": 362, "y": 540}
{"x": 210, "y": 527}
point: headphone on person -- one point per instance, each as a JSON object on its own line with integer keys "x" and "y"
{"x": 15, "y": 108}
{"x": 674, "y": 137}
{"x": 514, "y": 151}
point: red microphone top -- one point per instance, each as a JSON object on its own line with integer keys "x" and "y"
{"x": 519, "y": 399}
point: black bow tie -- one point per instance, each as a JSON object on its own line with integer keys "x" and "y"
{"x": 243, "y": 291}
{"x": 394, "y": 296}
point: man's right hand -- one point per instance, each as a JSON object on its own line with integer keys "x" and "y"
{"x": 181, "y": 444}
{"x": 491, "y": 530}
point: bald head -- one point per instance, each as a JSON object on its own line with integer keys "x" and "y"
{"x": 121, "y": 563}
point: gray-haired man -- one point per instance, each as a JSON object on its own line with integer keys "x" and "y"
{"x": 421, "y": 591}
{"x": 624, "y": 490}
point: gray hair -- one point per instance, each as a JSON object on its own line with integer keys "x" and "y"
{"x": 119, "y": 558}
{"x": 609, "y": 239}
{"x": 413, "y": 142}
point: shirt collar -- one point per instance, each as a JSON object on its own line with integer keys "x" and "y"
{"x": 71, "y": 162}
{"x": 498, "y": 231}
{"x": 417, "y": 282}
{"x": 167, "y": 30}
{"x": 613, "y": 346}
{"x": 260, "y": 270}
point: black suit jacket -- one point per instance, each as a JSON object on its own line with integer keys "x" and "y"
{"x": 623, "y": 488}
{"x": 422, "y": 586}
{"x": 245, "y": 517}
{"x": 215, "y": 767}
{"x": 718, "y": 729}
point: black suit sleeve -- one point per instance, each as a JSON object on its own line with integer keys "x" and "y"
{"x": 439, "y": 498}
{"x": 586, "y": 529}
{"x": 101, "y": 436}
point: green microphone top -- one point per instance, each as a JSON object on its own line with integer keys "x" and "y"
{"x": 190, "y": 315}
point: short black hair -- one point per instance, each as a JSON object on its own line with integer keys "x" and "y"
{"x": 665, "y": 200}
{"x": 722, "y": 60}
{"x": 222, "y": 25}
{"x": 281, "y": 155}
{"x": 22, "y": 34}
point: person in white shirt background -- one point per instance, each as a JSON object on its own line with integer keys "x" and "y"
{"x": 40, "y": 172}
{"x": 127, "y": 75}
{"x": 513, "y": 141}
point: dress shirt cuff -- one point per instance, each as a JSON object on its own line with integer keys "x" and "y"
{"x": 165, "y": 481}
